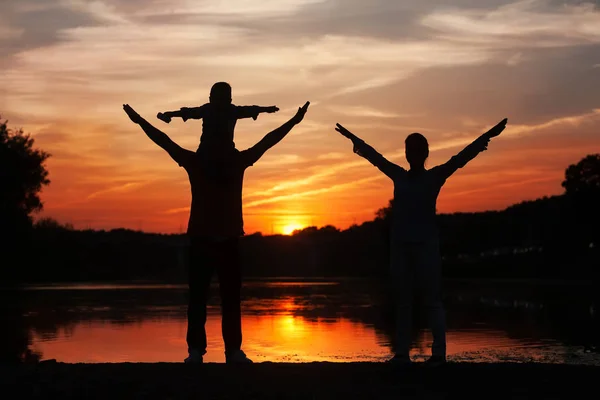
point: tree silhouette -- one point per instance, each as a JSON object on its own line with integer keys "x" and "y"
{"x": 582, "y": 186}
{"x": 583, "y": 177}
{"x": 385, "y": 213}
{"x": 22, "y": 173}
{"x": 22, "y": 176}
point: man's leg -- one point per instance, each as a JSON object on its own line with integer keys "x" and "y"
{"x": 201, "y": 266}
{"x": 429, "y": 276}
{"x": 402, "y": 280}
{"x": 230, "y": 285}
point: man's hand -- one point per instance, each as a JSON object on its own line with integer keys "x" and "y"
{"x": 163, "y": 117}
{"x": 270, "y": 110}
{"x": 358, "y": 143}
{"x": 134, "y": 116}
{"x": 496, "y": 130}
{"x": 296, "y": 119}
{"x": 345, "y": 132}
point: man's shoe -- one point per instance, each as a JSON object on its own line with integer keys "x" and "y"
{"x": 238, "y": 357}
{"x": 194, "y": 357}
{"x": 436, "y": 361}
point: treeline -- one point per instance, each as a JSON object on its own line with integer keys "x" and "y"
{"x": 545, "y": 238}
{"x": 552, "y": 237}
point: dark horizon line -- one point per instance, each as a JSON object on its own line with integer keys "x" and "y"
{"x": 70, "y": 226}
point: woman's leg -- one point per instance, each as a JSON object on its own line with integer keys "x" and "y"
{"x": 402, "y": 275}
{"x": 429, "y": 277}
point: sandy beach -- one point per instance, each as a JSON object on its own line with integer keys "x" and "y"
{"x": 298, "y": 381}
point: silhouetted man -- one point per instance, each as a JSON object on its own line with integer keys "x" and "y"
{"x": 214, "y": 228}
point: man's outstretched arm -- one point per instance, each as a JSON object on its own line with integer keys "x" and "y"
{"x": 176, "y": 152}
{"x": 275, "y": 136}
{"x": 364, "y": 150}
{"x": 471, "y": 151}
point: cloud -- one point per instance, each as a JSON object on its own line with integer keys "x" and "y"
{"x": 332, "y": 156}
{"x": 101, "y": 11}
{"x": 308, "y": 180}
{"x": 313, "y": 192}
{"x": 246, "y": 9}
{"x": 117, "y": 189}
{"x": 371, "y": 83}
{"x": 177, "y": 210}
{"x": 574, "y": 121}
{"x": 8, "y": 32}
{"x": 364, "y": 111}
{"x": 39, "y": 24}
{"x": 281, "y": 160}
{"x": 522, "y": 24}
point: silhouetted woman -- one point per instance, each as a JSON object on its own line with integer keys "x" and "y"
{"x": 415, "y": 261}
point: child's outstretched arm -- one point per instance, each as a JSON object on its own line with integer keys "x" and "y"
{"x": 184, "y": 113}
{"x": 253, "y": 111}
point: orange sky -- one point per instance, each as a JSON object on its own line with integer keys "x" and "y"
{"x": 382, "y": 68}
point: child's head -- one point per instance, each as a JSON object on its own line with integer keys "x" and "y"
{"x": 416, "y": 149}
{"x": 220, "y": 93}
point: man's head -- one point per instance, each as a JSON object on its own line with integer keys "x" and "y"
{"x": 416, "y": 150}
{"x": 220, "y": 93}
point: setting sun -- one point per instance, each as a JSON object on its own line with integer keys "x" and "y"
{"x": 290, "y": 228}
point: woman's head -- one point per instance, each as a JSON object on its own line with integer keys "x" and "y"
{"x": 416, "y": 150}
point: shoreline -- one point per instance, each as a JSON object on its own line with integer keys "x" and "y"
{"x": 315, "y": 380}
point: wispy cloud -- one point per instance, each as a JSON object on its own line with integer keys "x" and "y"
{"x": 285, "y": 159}
{"x": 177, "y": 210}
{"x": 311, "y": 179}
{"x": 243, "y": 8}
{"x": 575, "y": 121}
{"x": 364, "y": 111}
{"x": 7, "y": 32}
{"x": 500, "y": 186}
{"x": 522, "y": 24}
{"x": 332, "y": 156}
{"x": 101, "y": 10}
{"x": 117, "y": 189}
{"x": 314, "y": 192}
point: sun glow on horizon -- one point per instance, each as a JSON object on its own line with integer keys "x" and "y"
{"x": 291, "y": 227}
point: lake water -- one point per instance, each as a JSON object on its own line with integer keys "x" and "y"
{"x": 298, "y": 321}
